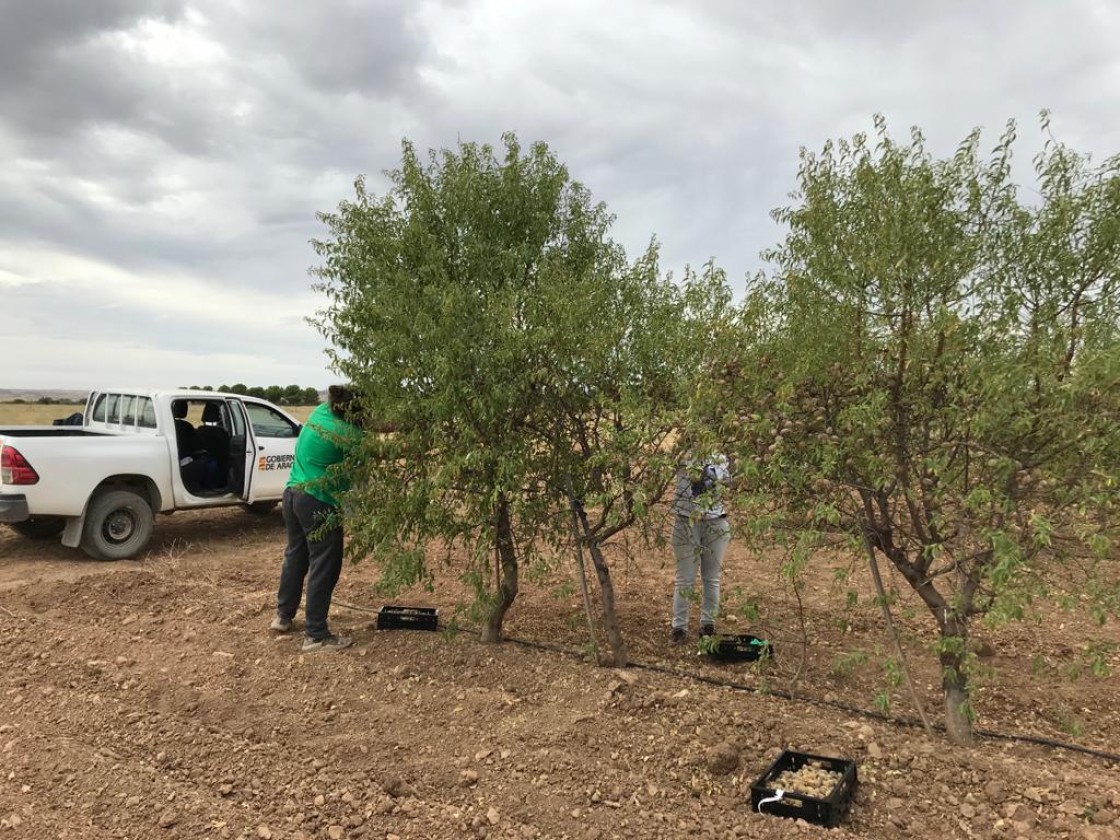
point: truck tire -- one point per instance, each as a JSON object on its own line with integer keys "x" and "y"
{"x": 118, "y": 525}
{"x": 39, "y": 527}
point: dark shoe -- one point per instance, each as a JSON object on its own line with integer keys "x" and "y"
{"x": 707, "y": 630}
{"x": 677, "y": 637}
{"x": 280, "y": 624}
{"x": 326, "y": 644}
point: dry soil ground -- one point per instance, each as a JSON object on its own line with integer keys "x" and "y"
{"x": 145, "y": 699}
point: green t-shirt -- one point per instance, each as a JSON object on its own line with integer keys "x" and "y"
{"x": 323, "y": 442}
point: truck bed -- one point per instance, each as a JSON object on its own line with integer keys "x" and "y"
{"x": 48, "y": 431}
{"x": 72, "y": 462}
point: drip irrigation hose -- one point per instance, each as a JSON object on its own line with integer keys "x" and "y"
{"x": 912, "y": 723}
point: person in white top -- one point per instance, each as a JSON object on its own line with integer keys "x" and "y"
{"x": 701, "y": 534}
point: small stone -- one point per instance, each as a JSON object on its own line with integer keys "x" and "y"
{"x": 132, "y": 801}
{"x": 492, "y": 816}
{"x": 1102, "y": 817}
{"x": 225, "y": 790}
{"x": 722, "y": 759}
{"x": 995, "y": 791}
{"x": 874, "y": 750}
{"x": 397, "y": 787}
{"x": 967, "y": 811}
{"x": 1068, "y": 824}
{"x": 468, "y": 778}
{"x": 264, "y": 832}
{"x": 1022, "y": 817}
{"x": 167, "y": 819}
{"x": 334, "y": 832}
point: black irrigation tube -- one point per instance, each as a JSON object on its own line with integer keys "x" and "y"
{"x": 834, "y": 704}
{"x": 911, "y": 723}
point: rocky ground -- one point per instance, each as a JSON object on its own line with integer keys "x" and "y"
{"x": 146, "y": 699}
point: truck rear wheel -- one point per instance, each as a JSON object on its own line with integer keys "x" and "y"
{"x": 118, "y": 525}
{"x": 39, "y": 527}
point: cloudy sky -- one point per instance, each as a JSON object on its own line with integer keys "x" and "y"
{"x": 163, "y": 160}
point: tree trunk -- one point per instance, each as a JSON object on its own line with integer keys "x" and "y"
{"x": 610, "y": 616}
{"x": 954, "y": 680}
{"x": 576, "y": 538}
{"x": 507, "y": 568}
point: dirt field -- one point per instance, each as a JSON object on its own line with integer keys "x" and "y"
{"x": 146, "y": 700}
{"x": 33, "y": 414}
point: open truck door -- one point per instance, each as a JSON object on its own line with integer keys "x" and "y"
{"x": 269, "y": 444}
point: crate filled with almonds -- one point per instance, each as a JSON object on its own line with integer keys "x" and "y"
{"x": 814, "y": 788}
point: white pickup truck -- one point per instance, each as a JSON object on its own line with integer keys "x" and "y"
{"x": 137, "y": 452}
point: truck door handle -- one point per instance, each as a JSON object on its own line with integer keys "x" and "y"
{"x": 260, "y": 449}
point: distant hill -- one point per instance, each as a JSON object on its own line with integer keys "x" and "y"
{"x": 35, "y": 394}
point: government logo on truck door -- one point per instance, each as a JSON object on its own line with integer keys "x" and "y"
{"x": 275, "y": 462}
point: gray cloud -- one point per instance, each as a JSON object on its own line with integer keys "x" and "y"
{"x": 340, "y": 46}
{"x": 58, "y": 68}
{"x": 36, "y": 32}
{"x": 159, "y": 148}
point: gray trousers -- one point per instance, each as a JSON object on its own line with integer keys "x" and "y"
{"x": 698, "y": 544}
{"x": 312, "y": 554}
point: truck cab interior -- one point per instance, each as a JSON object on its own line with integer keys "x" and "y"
{"x": 206, "y": 465}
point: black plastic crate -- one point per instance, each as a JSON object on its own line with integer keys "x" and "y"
{"x": 394, "y": 617}
{"x": 741, "y": 648}
{"x": 829, "y": 811}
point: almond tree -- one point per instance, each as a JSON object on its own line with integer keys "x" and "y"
{"x": 488, "y": 317}
{"x": 932, "y": 372}
{"x": 614, "y": 395}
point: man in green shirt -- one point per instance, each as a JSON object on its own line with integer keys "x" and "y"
{"x": 314, "y": 552}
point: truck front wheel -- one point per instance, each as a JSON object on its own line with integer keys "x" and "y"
{"x": 39, "y": 527}
{"x": 118, "y": 525}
